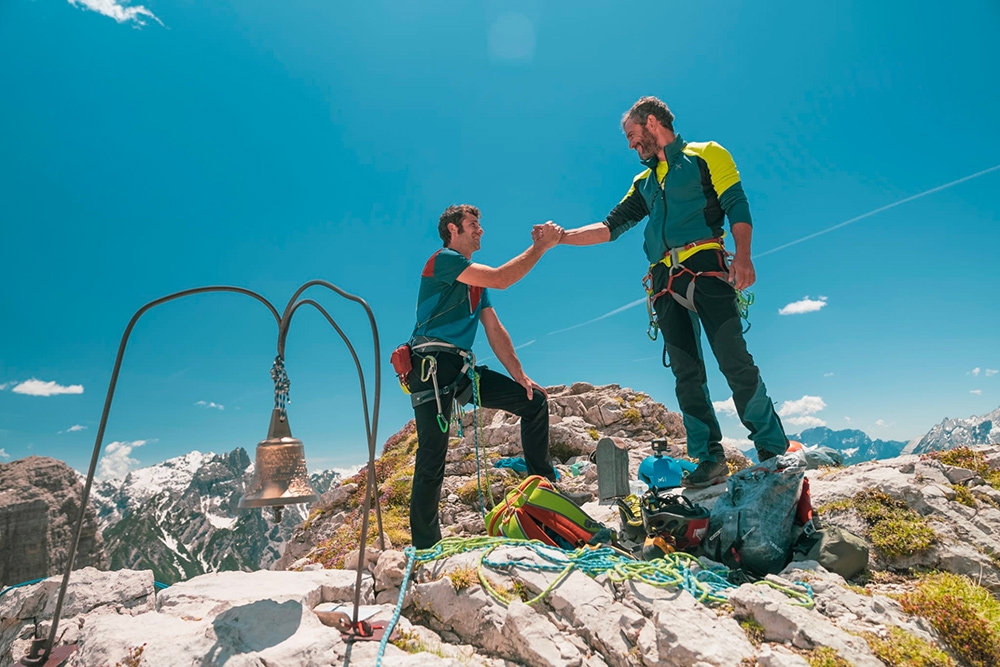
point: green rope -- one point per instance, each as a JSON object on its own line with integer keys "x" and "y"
{"x": 477, "y": 418}
{"x": 674, "y": 570}
{"x": 801, "y": 594}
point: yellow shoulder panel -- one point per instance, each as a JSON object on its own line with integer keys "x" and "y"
{"x": 634, "y": 181}
{"x": 720, "y": 164}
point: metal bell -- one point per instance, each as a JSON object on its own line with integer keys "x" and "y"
{"x": 280, "y": 476}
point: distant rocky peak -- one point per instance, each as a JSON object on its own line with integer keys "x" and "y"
{"x": 951, "y": 433}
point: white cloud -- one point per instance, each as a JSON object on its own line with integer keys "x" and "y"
{"x": 806, "y": 305}
{"x": 828, "y": 375}
{"x": 727, "y": 406}
{"x": 806, "y": 405}
{"x": 116, "y": 463}
{"x": 4, "y": 454}
{"x": 4, "y": 385}
{"x": 73, "y": 429}
{"x": 883, "y": 424}
{"x": 991, "y": 371}
{"x": 117, "y": 10}
{"x": 34, "y": 387}
{"x": 977, "y": 392}
{"x": 801, "y": 412}
{"x": 210, "y": 404}
{"x": 742, "y": 444}
{"x": 804, "y": 422}
{"x": 974, "y": 371}
{"x": 847, "y": 419}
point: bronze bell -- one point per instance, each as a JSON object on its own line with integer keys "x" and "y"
{"x": 280, "y": 476}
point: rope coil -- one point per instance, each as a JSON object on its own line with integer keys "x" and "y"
{"x": 677, "y": 569}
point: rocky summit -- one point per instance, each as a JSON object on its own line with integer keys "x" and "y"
{"x": 39, "y": 508}
{"x": 927, "y": 598}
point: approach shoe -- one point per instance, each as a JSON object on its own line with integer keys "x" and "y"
{"x": 708, "y": 473}
{"x": 578, "y": 496}
{"x": 765, "y": 454}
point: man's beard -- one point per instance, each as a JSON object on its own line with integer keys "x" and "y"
{"x": 647, "y": 145}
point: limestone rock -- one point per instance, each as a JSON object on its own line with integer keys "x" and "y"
{"x": 39, "y": 508}
{"x": 389, "y": 570}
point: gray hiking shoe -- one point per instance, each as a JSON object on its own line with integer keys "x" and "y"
{"x": 578, "y": 496}
{"x": 708, "y": 473}
{"x": 765, "y": 454}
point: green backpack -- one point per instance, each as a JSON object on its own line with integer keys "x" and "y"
{"x": 536, "y": 511}
{"x": 835, "y": 549}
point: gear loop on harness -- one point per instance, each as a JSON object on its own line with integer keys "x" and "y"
{"x": 425, "y": 349}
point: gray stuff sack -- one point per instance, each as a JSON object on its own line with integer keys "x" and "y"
{"x": 835, "y": 549}
{"x": 751, "y": 528}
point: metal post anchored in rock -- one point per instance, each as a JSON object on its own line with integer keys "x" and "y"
{"x": 612, "y": 471}
{"x": 286, "y": 482}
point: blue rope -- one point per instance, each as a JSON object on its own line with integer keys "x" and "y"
{"x": 410, "y": 560}
{"x": 156, "y": 584}
{"x": 23, "y": 583}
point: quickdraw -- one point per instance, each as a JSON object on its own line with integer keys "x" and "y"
{"x": 428, "y": 372}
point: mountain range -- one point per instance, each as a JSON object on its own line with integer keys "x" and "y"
{"x": 854, "y": 445}
{"x": 180, "y": 518}
{"x": 951, "y": 433}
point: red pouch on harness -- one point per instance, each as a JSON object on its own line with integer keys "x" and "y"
{"x": 401, "y": 360}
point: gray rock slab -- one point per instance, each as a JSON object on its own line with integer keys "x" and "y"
{"x": 803, "y": 628}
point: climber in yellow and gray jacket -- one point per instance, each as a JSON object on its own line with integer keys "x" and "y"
{"x": 686, "y": 192}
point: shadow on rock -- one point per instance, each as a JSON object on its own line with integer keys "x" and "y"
{"x": 252, "y": 628}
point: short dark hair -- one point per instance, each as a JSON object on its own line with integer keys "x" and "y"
{"x": 454, "y": 215}
{"x": 650, "y": 106}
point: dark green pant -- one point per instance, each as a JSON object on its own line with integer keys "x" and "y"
{"x": 496, "y": 391}
{"x": 715, "y": 301}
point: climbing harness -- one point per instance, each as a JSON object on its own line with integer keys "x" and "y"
{"x": 674, "y": 261}
{"x": 424, "y": 348}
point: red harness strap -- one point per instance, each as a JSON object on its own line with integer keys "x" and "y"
{"x": 677, "y": 269}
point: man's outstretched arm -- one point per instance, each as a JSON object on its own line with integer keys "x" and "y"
{"x": 503, "y": 347}
{"x": 622, "y": 218}
{"x": 479, "y": 275}
{"x": 587, "y": 235}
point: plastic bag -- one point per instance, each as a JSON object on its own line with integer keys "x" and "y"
{"x": 751, "y": 527}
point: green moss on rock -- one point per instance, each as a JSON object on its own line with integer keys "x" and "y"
{"x": 965, "y": 614}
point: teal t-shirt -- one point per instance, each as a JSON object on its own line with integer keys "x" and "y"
{"x": 447, "y": 309}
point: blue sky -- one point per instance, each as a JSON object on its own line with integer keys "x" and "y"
{"x": 157, "y": 147}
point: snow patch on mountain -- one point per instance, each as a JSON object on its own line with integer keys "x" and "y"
{"x": 951, "y": 433}
{"x": 181, "y": 517}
